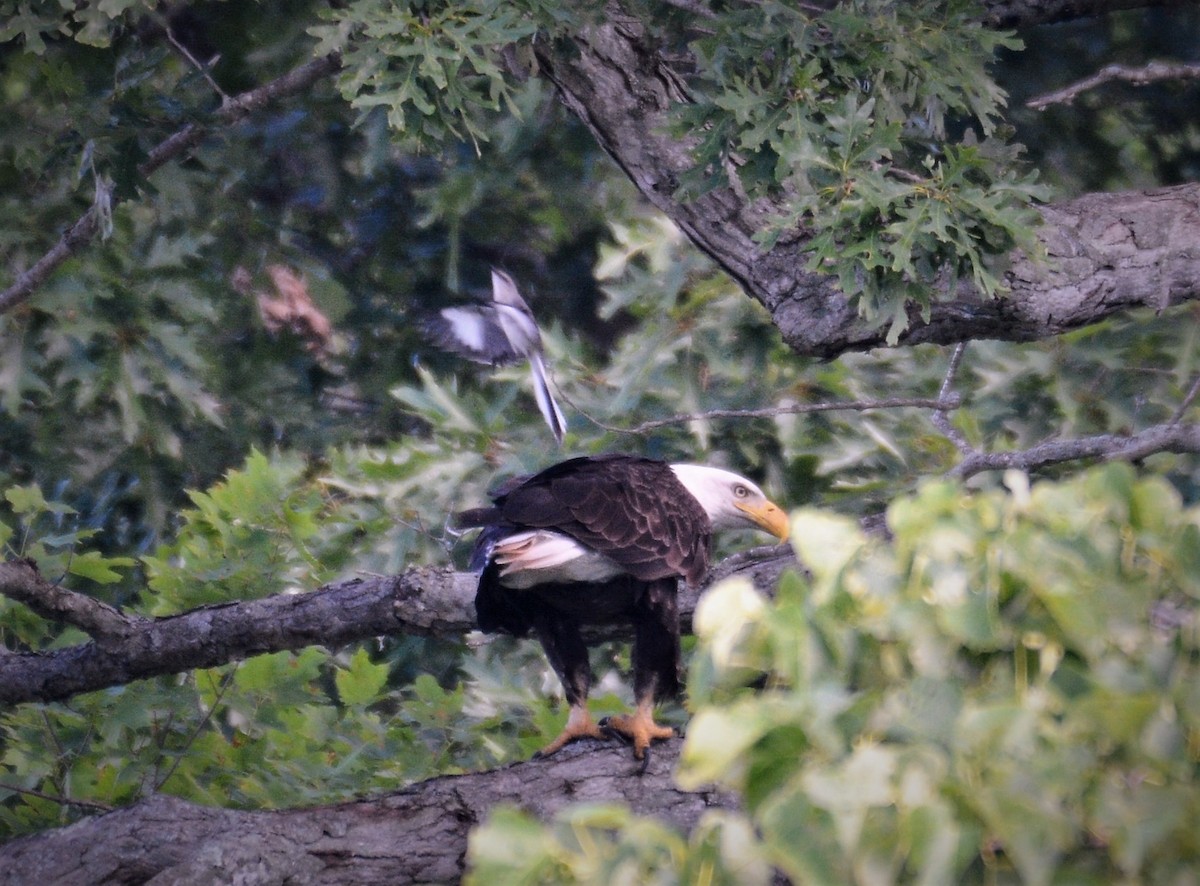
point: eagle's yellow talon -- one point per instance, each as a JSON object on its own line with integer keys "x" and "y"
{"x": 579, "y": 725}
{"x": 639, "y": 729}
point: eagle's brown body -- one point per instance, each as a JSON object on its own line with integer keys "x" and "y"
{"x": 605, "y": 539}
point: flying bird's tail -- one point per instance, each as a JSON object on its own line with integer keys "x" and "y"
{"x": 545, "y": 400}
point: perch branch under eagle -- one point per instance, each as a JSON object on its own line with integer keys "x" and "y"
{"x": 599, "y": 539}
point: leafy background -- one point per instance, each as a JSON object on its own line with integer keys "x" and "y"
{"x": 163, "y": 449}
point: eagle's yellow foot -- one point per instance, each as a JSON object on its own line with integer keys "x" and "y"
{"x": 579, "y": 725}
{"x": 638, "y": 728}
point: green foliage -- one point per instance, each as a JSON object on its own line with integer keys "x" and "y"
{"x": 601, "y": 844}
{"x": 93, "y": 24}
{"x": 49, "y": 533}
{"x": 1004, "y": 692}
{"x": 984, "y": 695}
{"x": 249, "y": 536}
{"x": 848, "y": 114}
{"x": 846, "y": 118}
{"x": 433, "y": 66}
{"x": 1000, "y": 688}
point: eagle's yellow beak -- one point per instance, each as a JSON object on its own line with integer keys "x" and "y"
{"x": 768, "y": 516}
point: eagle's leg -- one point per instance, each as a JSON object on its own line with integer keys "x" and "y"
{"x": 568, "y": 656}
{"x": 655, "y": 664}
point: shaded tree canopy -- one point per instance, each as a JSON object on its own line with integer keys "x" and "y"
{"x": 920, "y": 269}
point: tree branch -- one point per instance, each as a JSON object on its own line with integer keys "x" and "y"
{"x": 83, "y": 231}
{"x": 1105, "y": 253}
{"x": 20, "y": 581}
{"x": 63, "y": 801}
{"x": 1170, "y": 437}
{"x": 427, "y": 601}
{"x": 1188, "y": 399}
{"x": 418, "y": 834}
{"x": 942, "y": 404}
{"x": 1154, "y": 72}
{"x": 1024, "y": 13}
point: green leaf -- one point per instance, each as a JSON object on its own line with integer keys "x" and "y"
{"x": 99, "y": 568}
{"x": 511, "y": 847}
{"x": 826, "y": 543}
{"x": 29, "y": 500}
{"x": 362, "y": 681}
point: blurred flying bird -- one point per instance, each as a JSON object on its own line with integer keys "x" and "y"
{"x": 499, "y": 332}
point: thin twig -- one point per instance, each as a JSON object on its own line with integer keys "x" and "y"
{"x": 770, "y": 411}
{"x": 1187, "y": 402}
{"x": 59, "y": 751}
{"x": 65, "y": 801}
{"x": 1154, "y": 72}
{"x": 941, "y": 417}
{"x": 226, "y": 682}
{"x": 202, "y": 68}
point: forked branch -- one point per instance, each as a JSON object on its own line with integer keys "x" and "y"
{"x": 1172, "y": 436}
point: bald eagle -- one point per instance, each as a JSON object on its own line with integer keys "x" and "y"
{"x": 499, "y": 332}
{"x": 606, "y": 539}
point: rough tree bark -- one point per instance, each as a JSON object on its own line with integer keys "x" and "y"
{"x": 415, "y": 835}
{"x": 1104, "y": 252}
{"x": 424, "y": 600}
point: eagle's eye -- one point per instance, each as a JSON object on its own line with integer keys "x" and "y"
{"x": 740, "y": 491}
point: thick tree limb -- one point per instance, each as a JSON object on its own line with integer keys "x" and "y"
{"x": 421, "y": 601}
{"x": 418, "y": 834}
{"x": 83, "y": 231}
{"x": 1105, "y": 252}
{"x": 424, "y": 600}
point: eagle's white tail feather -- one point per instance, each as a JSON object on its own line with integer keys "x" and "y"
{"x": 537, "y": 556}
{"x": 536, "y": 550}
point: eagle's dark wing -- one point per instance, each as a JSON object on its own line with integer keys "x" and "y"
{"x": 633, "y": 510}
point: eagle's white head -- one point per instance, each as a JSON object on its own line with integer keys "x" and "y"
{"x": 731, "y": 501}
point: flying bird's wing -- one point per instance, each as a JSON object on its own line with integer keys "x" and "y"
{"x": 500, "y": 332}
{"x": 471, "y": 331}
